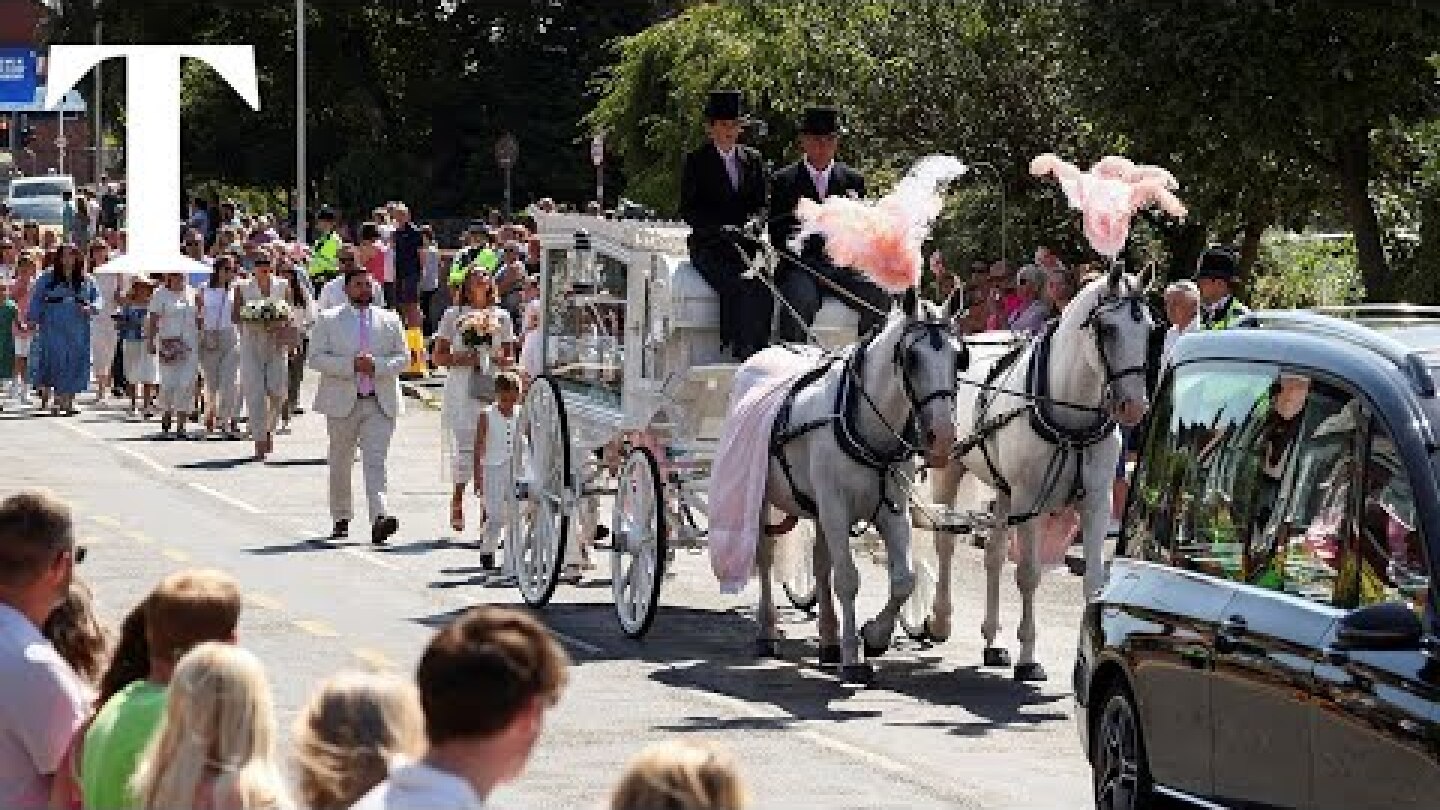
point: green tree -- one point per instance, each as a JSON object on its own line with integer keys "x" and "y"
{"x": 1265, "y": 110}
{"x": 985, "y": 81}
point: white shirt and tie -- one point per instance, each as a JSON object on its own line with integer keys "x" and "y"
{"x": 821, "y": 178}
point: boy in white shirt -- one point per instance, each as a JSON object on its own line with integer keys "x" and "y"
{"x": 494, "y": 479}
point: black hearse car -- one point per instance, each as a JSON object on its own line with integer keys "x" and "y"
{"x": 1268, "y": 636}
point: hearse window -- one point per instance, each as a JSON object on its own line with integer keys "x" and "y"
{"x": 1236, "y": 480}
{"x": 1389, "y": 555}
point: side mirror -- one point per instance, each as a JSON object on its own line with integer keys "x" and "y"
{"x": 1386, "y": 626}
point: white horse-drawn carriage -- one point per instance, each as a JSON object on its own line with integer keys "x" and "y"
{"x": 630, "y": 409}
{"x": 634, "y": 400}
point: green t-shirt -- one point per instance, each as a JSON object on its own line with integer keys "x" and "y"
{"x": 116, "y": 740}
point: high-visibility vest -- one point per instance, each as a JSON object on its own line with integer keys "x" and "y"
{"x": 325, "y": 257}
{"x": 472, "y": 258}
{"x": 1228, "y": 316}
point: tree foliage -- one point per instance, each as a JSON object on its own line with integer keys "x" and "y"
{"x": 406, "y": 98}
{"x": 1265, "y": 110}
{"x": 981, "y": 80}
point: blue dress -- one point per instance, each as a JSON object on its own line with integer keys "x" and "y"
{"x": 63, "y": 343}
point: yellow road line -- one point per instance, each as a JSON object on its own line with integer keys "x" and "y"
{"x": 175, "y": 554}
{"x": 374, "y": 658}
{"x": 316, "y": 628}
{"x": 106, "y": 520}
{"x": 263, "y": 601}
{"x": 140, "y": 537}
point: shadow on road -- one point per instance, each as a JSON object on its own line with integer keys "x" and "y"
{"x": 713, "y": 651}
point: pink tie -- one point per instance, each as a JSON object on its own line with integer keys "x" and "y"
{"x": 820, "y": 184}
{"x": 364, "y": 383}
{"x": 732, "y": 168}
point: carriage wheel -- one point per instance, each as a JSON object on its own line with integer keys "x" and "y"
{"x": 916, "y": 609}
{"x": 799, "y": 583}
{"x": 541, "y": 462}
{"x": 637, "y": 553}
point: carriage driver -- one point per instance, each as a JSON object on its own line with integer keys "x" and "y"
{"x": 816, "y": 176}
{"x": 723, "y": 184}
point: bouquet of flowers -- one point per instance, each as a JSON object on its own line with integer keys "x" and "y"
{"x": 478, "y": 329}
{"x": 266, "y": 311}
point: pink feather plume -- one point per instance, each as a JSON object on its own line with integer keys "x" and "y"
{"x": 882, "y": 238}
{"x": 1109, "y": 195}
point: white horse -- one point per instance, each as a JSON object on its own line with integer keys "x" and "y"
{"x": 1040, "y": 455}
{"x": 846, "y": 447}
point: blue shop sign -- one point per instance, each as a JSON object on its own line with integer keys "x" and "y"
{"x": 17, "y": 74}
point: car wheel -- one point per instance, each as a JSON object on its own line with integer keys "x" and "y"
{"x": 1121, "y": 772}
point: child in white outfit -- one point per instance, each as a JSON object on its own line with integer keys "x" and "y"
{"x": 494, "y": 479}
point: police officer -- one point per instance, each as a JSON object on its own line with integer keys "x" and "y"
{"x": 722, "y": 185}
{"x": 325, "y": 248}
{"x": 816, "y": 176}
{"x": 1215, "y": 275}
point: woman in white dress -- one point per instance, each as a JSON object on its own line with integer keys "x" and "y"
{"x": 303, "y": 318}
{"x": 104, "y": 334}
{"x": 220, "y": 350}
{"x": 460, "y": 409}
{"x": 263, "y": 355}
{"x": 174, "y": 336}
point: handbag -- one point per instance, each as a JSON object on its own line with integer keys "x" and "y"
{"x": 482, "y": 383}
{"x": 172, "y": 350}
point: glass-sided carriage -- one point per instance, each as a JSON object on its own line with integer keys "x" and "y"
{"x": 629, "y": 409}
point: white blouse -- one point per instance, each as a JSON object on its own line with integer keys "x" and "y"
{"x": 219, "y": 307}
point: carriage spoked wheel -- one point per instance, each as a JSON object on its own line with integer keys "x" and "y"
{"x": 916, "y": 610}
{"x": 544, "y": 478}
{"x": 799, "y": 583}
{"x": 638, "y": 542}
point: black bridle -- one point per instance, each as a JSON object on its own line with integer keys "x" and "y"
{"x": 937, "y": 333}
{"x": 1103, "y": 332}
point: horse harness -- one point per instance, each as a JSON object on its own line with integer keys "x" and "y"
{"x": 849, "y": 396}
{"x": 1040, "y": 407}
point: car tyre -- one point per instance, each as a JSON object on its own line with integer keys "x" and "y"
{"x": 1121, "y": 770}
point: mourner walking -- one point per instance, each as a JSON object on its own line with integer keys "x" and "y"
{"x": 723, "y": 185}
{"x": 359, "y": 350}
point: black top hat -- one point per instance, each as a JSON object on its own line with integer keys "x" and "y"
{"x": 725, "y": 105}
{"x": 1217, "y": 263}
{"x": 820, "y": 121}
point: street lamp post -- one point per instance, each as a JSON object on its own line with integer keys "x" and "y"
{"x": 597, "y": 156}
{"x": 300, "y": 179}
{"x": 507, "y": 149}
{"x": 1000, "y": 182}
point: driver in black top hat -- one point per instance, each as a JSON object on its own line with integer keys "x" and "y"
{"x": 723, "y": 184}
{"x": 816, "y": 176}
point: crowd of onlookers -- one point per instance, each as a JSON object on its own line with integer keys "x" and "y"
{"x": 175, "y": 712}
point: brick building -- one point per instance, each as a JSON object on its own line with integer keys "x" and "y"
{"x": 22, "y": 25}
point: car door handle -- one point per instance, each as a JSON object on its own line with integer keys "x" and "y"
{"x": 1227, "y": 637}
{"x": 1234, "y": 626}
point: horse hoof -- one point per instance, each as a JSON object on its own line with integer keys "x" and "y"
{"x": 996, "y": 657}
{"x": 767, "y": 648}
{"x": 830, "y": 655}
{"x": 857, "y": 674}
{"x": 873, "y": 650}
{"x": 1032, "y": 672}
{"x": 932, "y": 636}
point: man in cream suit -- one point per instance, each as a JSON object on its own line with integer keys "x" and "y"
{"x": 359, "y": 350}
